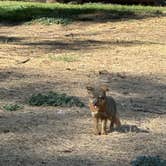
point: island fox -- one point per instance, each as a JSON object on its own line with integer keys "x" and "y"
{"x": 102, "y": 108}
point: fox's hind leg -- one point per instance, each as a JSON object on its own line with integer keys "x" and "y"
{"x": 117, "y": 120}
{"x": 111, "y": 125}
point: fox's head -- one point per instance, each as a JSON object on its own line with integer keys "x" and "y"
{"x": 97, "y": 98}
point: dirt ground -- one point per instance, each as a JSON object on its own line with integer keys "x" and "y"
{"x": 129, "y": 56}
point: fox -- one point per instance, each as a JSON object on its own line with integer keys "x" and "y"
{"x": 103, "y": 108}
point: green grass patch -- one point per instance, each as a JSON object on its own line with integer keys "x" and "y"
{"x": 12, "y": 107}
{"x": 55, "y": 99}
{"x": 148, "y": 161}
{"x": 18, "y": 12}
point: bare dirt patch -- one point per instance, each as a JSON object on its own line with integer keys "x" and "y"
{"x": 133, "y": 53}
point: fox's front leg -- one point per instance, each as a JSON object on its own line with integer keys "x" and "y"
{"x": 96, "y": 126}
{"x": 103, "y": 126}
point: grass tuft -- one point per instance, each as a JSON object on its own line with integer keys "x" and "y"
{"x": 55, "y": 99}
{"x": 12, "y": 107}
{"x": 148, "y": 161}
{"x": 50, "y": 21}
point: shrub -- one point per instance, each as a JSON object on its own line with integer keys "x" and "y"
{"x": 12, "y": 107}
{"x": 148, "y": 161}
{"x": 54, "y": 99}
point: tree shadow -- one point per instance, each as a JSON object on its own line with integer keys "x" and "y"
{"x": 62, "y": 158}
{"x": 9, "y": 75}
{"x": 85, "y": 44}
{"x": 75, "y": 44}
{"x": 37, "y": 121}
{"x": 11, "y": 39}
{"x": 137, "y": 93}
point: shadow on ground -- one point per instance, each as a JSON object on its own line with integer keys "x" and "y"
{"x": 130, "y": 128}
{"x": 11, "y": 39}
{"x": 74, "y": 45}
{"x": 38, "y": 119}
{"x": 61, "y": 159}
{"x": 141, "y": 93}
{"x": 84, "y": 44}
{"x": 31, "y": 137}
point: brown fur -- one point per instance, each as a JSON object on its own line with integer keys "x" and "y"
{"x": 103, "y": 108}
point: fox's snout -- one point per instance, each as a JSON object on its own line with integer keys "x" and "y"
{"x": 94, "y": 102}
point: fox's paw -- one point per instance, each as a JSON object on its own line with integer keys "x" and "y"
{"x": 104, "y": 133}
{"x": 97, "y": 133}
{"x": 111, "y": 130}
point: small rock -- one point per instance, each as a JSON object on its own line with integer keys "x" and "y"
{"x": 61, "y": 112}
{"x": 121, "y": 75}
{"x": 101, "y": 72}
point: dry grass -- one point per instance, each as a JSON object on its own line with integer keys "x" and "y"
{"x": 134, "y": 54}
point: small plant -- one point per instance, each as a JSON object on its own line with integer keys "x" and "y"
{"x": 148, "y": 161}
{"x": 55, "y": 99}
{"x": 50, "y": 21}
{"x": 12, "y": 107}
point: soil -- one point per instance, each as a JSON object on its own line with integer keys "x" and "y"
{"x": 129, "y": 56}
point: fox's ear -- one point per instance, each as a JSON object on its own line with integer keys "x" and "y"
{"x": 89, "y": 88}
{"x": 105, "y": 88}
